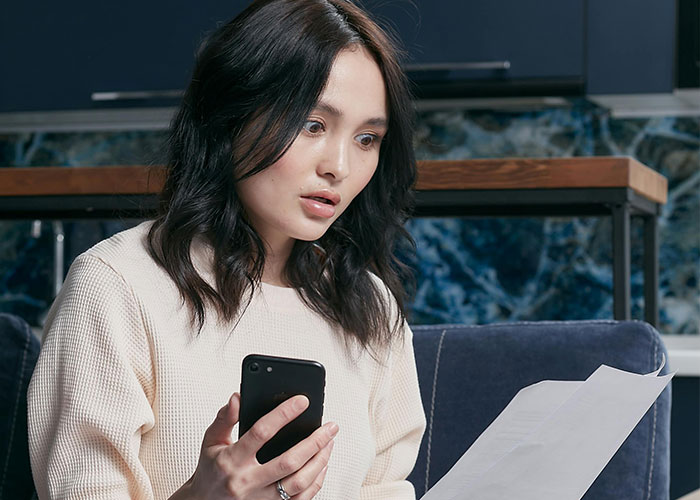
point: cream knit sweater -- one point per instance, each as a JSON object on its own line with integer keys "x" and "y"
{"x": 123, "y": 391}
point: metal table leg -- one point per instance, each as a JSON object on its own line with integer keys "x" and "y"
{"x": 651, "y": 270}
{"x": 621, "y": 261}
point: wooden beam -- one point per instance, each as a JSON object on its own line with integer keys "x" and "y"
{"x": 479, "y": 174}
{"x": 544, "y": 173}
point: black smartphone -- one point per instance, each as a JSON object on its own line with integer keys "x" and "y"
{"x": 267, "y": 381}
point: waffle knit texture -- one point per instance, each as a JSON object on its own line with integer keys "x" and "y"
{"x": 124, "y": 390}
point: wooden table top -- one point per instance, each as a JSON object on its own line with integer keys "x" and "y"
{"x": 478, "y": 174}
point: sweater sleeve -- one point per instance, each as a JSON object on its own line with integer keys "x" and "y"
{"x": 89, "y": 400}
{"x": 399, "y": 423}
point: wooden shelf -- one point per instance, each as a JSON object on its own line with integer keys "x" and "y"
{"x": 544, "y": 173}
{"x": 434, "y": 175}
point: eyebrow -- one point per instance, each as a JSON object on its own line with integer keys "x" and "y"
{"x": 332, "y": 110}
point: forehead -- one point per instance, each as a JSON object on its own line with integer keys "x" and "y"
{"x": 356, "y": 86}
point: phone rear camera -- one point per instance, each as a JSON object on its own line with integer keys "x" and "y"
{"x": 254, "y": 367}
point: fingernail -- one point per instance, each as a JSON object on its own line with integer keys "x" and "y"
{"x": 300, "y": 403}
{"x": 332, "y": 429}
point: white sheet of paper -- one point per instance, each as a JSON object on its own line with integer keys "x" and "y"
{"x": 526, "y": 411}
{"x": 553, "y": 439}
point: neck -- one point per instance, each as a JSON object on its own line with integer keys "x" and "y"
{"x": 275, "y": 261}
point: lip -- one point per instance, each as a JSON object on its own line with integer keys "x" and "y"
{"x": 317, "y": 208}
{"x": 329, "y": 195}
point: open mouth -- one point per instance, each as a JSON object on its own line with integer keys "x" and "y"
{"x": 320, "y": 199}
{"x": 323, "y": 196}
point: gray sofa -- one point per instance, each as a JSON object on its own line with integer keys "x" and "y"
{"x": 467, "y": 376}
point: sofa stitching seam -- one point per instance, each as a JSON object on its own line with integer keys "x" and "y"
{"x": 432, "y": 410}
{"x": 653, "y": 436}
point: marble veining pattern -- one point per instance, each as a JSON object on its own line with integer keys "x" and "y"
{"x": 486, "y": 270}
{"x": 468, "y": 270}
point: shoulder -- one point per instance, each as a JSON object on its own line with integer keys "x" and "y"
{"x": 119, "y": 268}
{"x": 125, "y": 254}
{"x": 107, "y": 268}
{"x": 384, "y": 291}
{"x": 129, "y": 246}
{"x": 401, "y": 331}
{"x": 388, "y": 299}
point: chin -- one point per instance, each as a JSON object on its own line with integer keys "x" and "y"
{"x": 310, "y": 237}
{"x": 311, "y": 234}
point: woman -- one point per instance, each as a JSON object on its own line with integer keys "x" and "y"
{"x": 289, "y": 179}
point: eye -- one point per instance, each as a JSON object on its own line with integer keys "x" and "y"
{"x": 367, "y": 140}
{"x": 313, "y": 127}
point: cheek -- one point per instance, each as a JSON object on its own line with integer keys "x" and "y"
{"x": 361, "y": 181}
{"x": 366, "y": 176}
{"x": 255, "y": 191}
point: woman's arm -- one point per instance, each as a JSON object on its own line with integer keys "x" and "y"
{"x": 89, "y": 400}
{"x": 399, "y": 423}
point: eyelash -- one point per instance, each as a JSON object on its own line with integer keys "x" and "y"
{"x": 376, "y": 140}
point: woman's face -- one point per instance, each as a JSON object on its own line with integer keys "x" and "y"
{"x": 330, "y": 161}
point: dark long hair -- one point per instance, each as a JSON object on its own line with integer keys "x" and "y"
{"x": 255, "y": 81}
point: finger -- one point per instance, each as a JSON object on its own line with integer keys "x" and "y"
{"x": 268, "y": 425}
{"x": 304, "y": 478}
{"x": 315, "y": 487}
{"x": 296, "y": 457}
{"x": 219, "y": 432}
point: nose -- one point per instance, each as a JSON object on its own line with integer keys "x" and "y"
{"x": 335, "y": 162}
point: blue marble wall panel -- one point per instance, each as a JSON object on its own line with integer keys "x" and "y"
{"x": 487, "y": 270}
{"x": 73, "y": 149}
{"x": 468, "y": 270}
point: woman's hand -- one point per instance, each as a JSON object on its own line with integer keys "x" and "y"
{"x": 228, "y": 470}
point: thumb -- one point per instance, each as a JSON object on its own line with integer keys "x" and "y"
{"x": 219, "y": 432}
